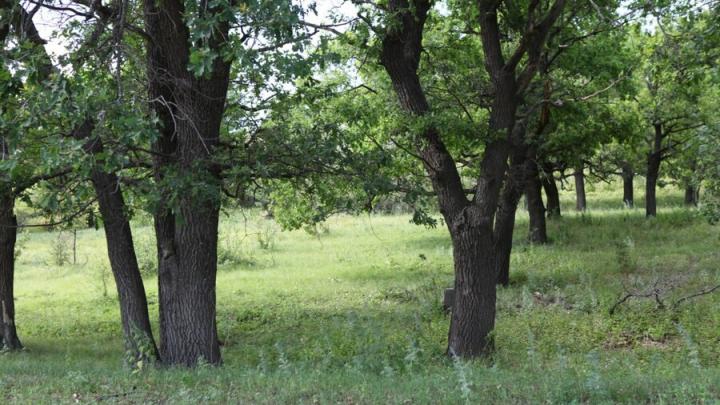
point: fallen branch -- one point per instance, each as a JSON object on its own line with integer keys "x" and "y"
{"x": 706, "y": 291}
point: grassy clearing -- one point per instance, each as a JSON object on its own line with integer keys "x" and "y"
{"x": 353, "y": 315}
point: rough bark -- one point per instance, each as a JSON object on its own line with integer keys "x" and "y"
{"x": 8, "y": 236}
{"x": 473, "y": 316}
{"x": 653, "y": 172}
{"x": 138, "y": 336}
{"x": 509, "y": 200}
{"x": 580, "y": 200}
{"x": 191, "y": 110}
{"x": 628, "y": 177}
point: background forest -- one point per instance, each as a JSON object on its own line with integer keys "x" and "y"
{"x": 403, "y": 201}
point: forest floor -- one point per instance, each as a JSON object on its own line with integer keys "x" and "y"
{"x": 353, "y": 314}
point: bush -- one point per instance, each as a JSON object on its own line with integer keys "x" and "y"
{"x": 60, "y": 249}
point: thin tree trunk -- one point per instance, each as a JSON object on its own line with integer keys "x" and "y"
{"x": 552, "y": 194}
{"x": 537, "y": 232}
{"x": 8, "y": 236}
{"x": 8, "y": 222}
{"x": 123, "y": 262}
{"x": 505, "y": 215}
{"x": 653, "y": 172}
{"x": 580, "y": 200}
{"x": 139, "y": 340}
{"x": 651, "y": 185}
{"x": 505, "y": 227}
{"x": 628, "y": 176}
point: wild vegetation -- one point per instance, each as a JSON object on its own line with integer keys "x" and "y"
{"x": 355, "y": 315}
{"x": 360, "y": 191}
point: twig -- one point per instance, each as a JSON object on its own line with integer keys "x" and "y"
{"x": 697, "y": 294}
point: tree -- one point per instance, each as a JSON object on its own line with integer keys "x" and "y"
{"x": 190, "y": 48}
{"x": 62, "y": 96}
{"x": 470, "y": 222}
{"x": 671, "y": 87}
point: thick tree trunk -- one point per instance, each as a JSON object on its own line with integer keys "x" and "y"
{"x": 473, "y": 316}
{"x": 187, "y": 236}
{"x": 692, "y": 195}
{"x": 628, "y": 176}
{"x": 552, "y": 194}
{"x": 537, "y": 232}
{"x": 580, "y": 200}
{"x": 8, "y": 235}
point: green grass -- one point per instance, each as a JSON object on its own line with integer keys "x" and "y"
{"x": 354, "y": 316}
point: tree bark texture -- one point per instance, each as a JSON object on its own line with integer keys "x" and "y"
{"x": 138, "y": 336}
{"x": 190, "y": 109}
{"x": 509, "y": 200}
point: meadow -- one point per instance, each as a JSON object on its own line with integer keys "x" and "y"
{"x": 351, "y": 312}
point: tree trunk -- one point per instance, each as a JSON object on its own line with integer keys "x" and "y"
{"x": 504, "y": 228}
{"x": 505, "y": 220}
{"x": 580, "y": 201}
{"x": 628, "y": 176}
{"x": 692, "y": 195}
{"x": 8, "y": 236}
{"x": 469, "y": 223}
{"x": 651, "y": 185}
{"x": 653, "y": 172}
{"x": 473, "y": 316}
{"x": 139, "y": 341}
{"x": 537, "y": 232}
{"x": 552, "y": 194}
{"x": 187, "y": 235}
